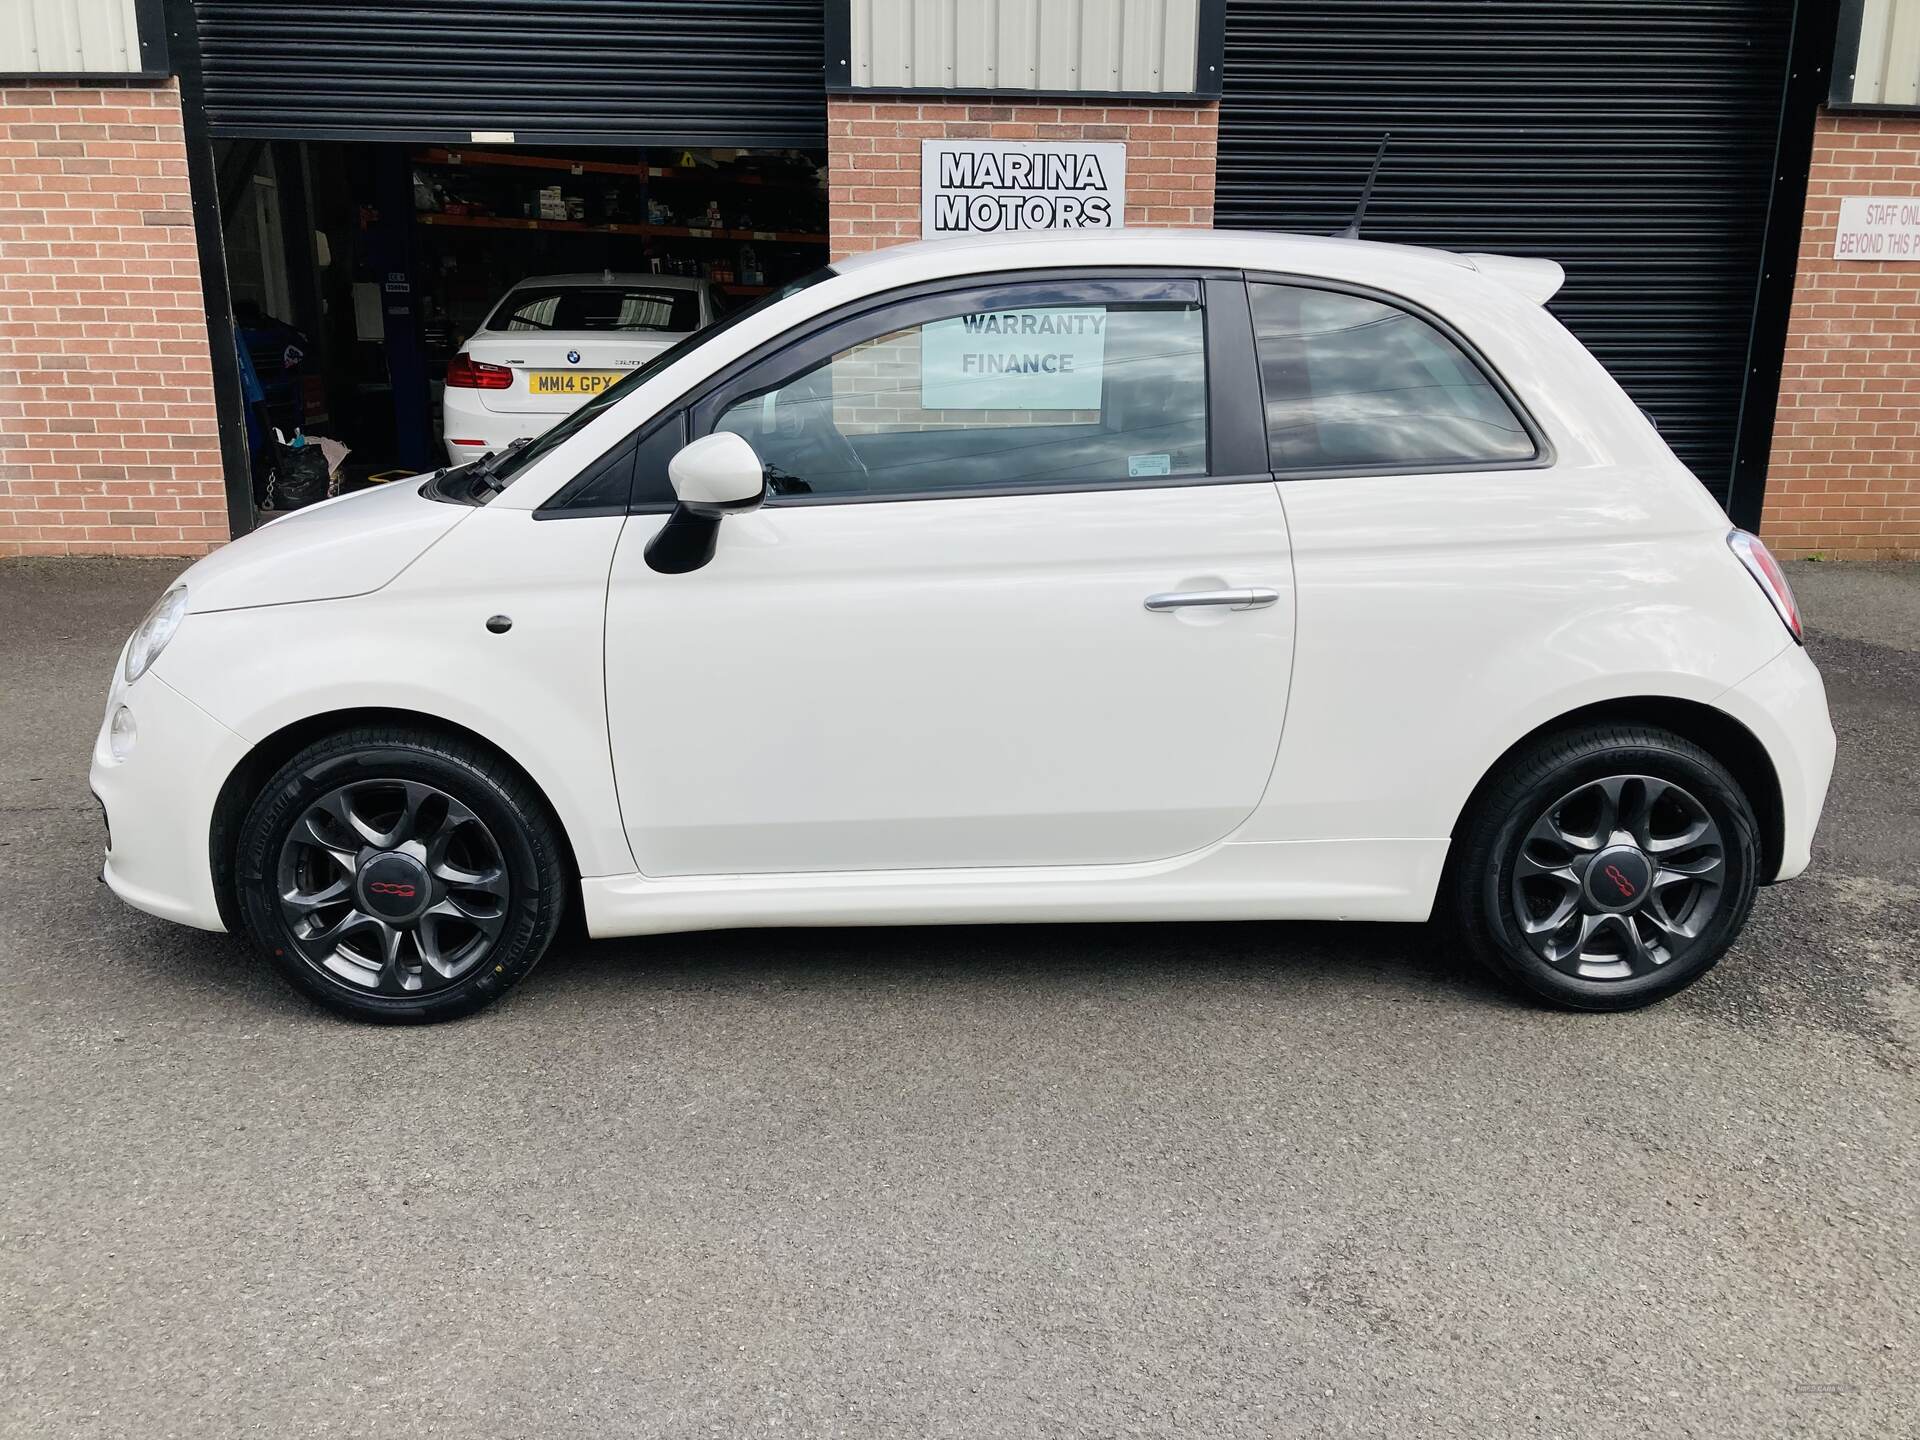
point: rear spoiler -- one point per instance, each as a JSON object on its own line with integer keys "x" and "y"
{"x": 1538, "y": 280}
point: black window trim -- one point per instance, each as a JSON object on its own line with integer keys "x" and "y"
{"x": 1231, "y": 391}
{"x": 1544, "y": 456}
{"x": 561, "y": 505}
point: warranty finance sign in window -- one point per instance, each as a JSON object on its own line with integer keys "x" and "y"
{"x": 1048, "y": 359}
{"x": 982, "y": 187}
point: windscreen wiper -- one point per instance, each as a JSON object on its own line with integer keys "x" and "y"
{"x": 483, "y": 471}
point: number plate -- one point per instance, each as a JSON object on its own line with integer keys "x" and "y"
{"x": 571, "y": 382}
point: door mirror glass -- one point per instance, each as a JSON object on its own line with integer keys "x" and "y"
{"x": 717, "y": 474}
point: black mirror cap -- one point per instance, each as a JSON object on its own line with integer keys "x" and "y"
{"x": 685, "y": 543}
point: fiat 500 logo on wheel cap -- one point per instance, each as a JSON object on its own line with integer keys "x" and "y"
{"x": 389, "y": 887}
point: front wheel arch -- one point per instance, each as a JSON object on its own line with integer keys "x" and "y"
{"x": 1715, "y": 731}
{"x": 258, "y": 764}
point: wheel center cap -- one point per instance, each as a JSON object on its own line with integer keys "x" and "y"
{"x": 393, "y": 886}
{"x": 1618, "y": 878}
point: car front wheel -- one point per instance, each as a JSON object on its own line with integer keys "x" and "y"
{"x": 1606, "y": 867}
{"x": 400, "y": 876}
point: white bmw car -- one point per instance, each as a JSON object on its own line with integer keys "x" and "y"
{"x": 1133, "y": 575}
{"x": 554, "y": 342}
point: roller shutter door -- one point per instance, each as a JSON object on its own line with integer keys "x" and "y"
{"x": 626, "y": 72}
{"x": 1631, "y": 140}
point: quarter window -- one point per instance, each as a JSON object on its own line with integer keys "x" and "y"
{"x": 1352, "y": 383}
{"x": 1006, "y": 397}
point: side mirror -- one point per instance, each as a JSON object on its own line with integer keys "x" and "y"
{"x": 716, "y": 475}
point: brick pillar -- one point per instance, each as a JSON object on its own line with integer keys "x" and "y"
{"x": 107, "y": 436}
{"x": 1844, "y": 476}
{"x": 873, "y": 157}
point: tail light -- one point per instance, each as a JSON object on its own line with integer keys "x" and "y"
{"x": 1770, "y": 577}
{"x": 466, "y": 373}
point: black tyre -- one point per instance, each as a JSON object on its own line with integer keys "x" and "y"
{"x": 400, "y": 876}
{"x": 1606, "y": 867}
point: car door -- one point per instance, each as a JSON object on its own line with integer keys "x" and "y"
{"x": 1021, "y": 594}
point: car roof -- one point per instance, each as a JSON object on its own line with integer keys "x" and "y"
{"x": 614, "y": 277}
{"x": 1150, "y": 244}
{"x": 1401, "y": 267}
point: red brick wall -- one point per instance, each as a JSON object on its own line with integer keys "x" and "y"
{"x": 873, "y": 157}
{"x": 1844, "y": 476}
{"x": 107, "y": 438}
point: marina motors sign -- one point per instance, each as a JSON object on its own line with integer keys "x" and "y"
{"x": 979, "y": 187}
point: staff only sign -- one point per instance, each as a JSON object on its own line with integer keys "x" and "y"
{"x": 1878, "y": 228}
{"x": 976, "y": 187}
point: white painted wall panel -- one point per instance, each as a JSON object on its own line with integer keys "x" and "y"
{"x": 1887, "y": 71}
{"x": 68, "y": 37}
{"x": 1099, "y": 46}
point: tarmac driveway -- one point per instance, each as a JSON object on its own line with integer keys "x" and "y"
{"x": 1221, "y": 1180}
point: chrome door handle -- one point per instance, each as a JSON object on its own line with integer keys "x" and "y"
{"x": 1255, "y": 599}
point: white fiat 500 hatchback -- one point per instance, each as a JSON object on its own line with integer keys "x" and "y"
{"x": 1126, "y": 576}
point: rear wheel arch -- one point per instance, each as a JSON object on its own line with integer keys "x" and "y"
{"x": 1715, "y": 731}
{"x": 243, "y": 784}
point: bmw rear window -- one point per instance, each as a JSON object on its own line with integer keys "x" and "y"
{"x": 598, "y": 307}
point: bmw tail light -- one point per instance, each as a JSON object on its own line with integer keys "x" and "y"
{"x": 466, "y": 373}
{"x": 1770, "y": 577}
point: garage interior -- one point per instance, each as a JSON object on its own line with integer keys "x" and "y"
{"x": 385, "y": 171}
{"x": 356, "y": 270}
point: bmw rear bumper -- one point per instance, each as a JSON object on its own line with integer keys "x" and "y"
{"x": 472, "y": 430}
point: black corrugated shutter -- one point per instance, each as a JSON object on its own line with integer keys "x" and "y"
{"x": 1631, "y": 140}
{"x": 625, "y": 72}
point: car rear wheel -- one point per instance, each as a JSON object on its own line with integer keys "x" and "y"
{"x": 400, "y": 876}
{"x": 1606, "y": 867}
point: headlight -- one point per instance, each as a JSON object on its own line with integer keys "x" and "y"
{"x": 155, "y": 631}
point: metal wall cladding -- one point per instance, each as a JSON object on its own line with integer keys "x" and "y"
{"x": 1887, "y": 69}
{"x": 1630, "y": 140}
{"x": 626, "y": 72}
{"x": 1055, "y": 46}
{"x": 68, "y": 37}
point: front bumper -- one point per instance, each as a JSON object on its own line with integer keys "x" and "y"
{"x": 159, "y": 801}
{"x": 1784, "y": 704}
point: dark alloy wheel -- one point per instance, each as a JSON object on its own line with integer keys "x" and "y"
{"x": 1619, "y": 877}
{"x": 1606, "y": 867}
{"x": 393, "y": 886}
{"x": 399, "y": 876}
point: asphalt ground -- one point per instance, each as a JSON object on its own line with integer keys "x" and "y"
{"x": 1192, "y": 1180}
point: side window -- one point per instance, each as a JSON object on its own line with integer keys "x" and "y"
{"x": 631, "y": 475}
{"x": 1016, "y": 395}
{"x": 652, "y": 490}
{"x": 600, "y": 489}
{"x": 1351, "y": 382}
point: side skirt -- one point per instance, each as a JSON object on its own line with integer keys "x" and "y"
{"x": 1391, "y": 880}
